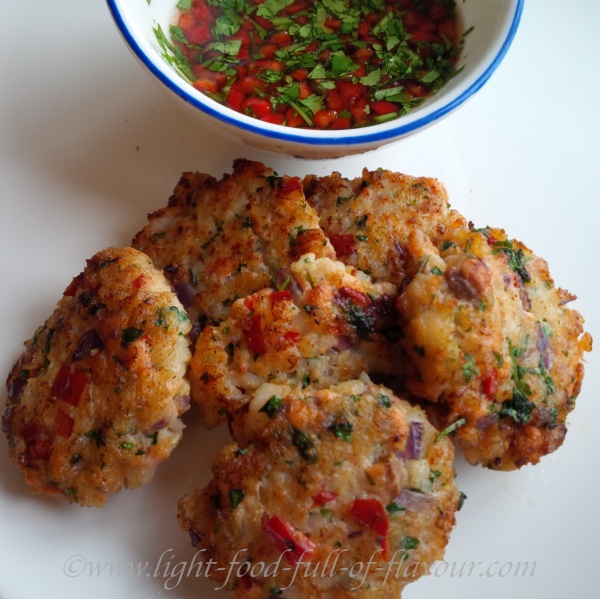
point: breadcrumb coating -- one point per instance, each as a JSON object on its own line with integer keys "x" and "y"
{"x": 325, "y": 483}
{"x": 95, "y": 399}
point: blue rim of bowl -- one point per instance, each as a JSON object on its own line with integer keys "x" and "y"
{"x": 386, "y": 135}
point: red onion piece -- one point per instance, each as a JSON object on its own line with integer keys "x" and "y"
{"x": 158, "y": 426}
{"x": 182, "y": 402}
{"x": 543, "y": 345}
{"x": 412, "y": 450}
{"x": 15, "y": 389}
{"x": 486, "y": 422}
{"x": 89, "y": 341}
{"x": 414, "y": 501}
{"x": 345, "y": 342}
{"x": 185, "y": 293}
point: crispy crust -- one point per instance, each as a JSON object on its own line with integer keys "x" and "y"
{"x": 220, "y": 240}
{"x": 306, "y": 464}
{"x": 492, "y": 341}
{"x": 94, "y": 402}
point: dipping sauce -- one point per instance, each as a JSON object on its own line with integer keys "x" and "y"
{"x": 323, "y": 64}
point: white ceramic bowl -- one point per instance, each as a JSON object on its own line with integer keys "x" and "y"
{"x": 494, "y": 23}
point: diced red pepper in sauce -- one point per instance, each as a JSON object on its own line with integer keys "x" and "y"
{"x": 254, "y": 336}
{"x": 69, "y": 385}
{"x": 322, "y": 498}
{"x": 267, "y": 67}
{"x": 294, "y": 545}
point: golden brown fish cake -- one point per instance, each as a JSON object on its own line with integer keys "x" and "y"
{"x": 327, "y": 324}
{"x": 94, "y": 401}
{"x": 493, "y": 345}
{"x": 475, "y": 331}
{"x": 346, "y": 492}
{"x": 369, "y": 220}
{"x": 219, "y": 240}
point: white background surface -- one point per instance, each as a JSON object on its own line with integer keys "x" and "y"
{"x": 89, "y": 144}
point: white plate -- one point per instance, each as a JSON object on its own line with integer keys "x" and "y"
{"x": 89, "y": 145}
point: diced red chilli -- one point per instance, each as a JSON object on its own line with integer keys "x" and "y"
{"x": 64, "y": 424}
{"x": 342, "y": 244}
{"x": 291, "y": 184}
{"x": 293, "y": 336}
{"x": 323, "y": 497}
{"x": 254, "y": 336}
{"x": 372, "y": 514}
{"x": 279, "y": 296}
{"x": 138, "y": 282}
{"x": 252, "y": 74}
{"x": 294, "y": 545}
{"x": 69, "y": 385}
{"x": 490, "y": 386}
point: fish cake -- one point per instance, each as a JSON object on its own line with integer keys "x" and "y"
{"x": 219, "y": 240}
{"x": 494, "y": 346}
{"x": 94, "y": 401}
{"x": 318, "y": 485}
{"x": 326, "y": 324}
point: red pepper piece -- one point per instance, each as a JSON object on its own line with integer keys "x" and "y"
{"x": 258, "y": 107}
{"x": 383, "y": 107}
{"x": 234, "y": 100}
{"x": 254, "y": 336}
{"x": 274, "y": 119}
{"x": 323, "y": 497}
{"x": 69, "y": 385}
{"x": 323, "y": 118}
{"x": 342, "y": 244}
{"x": 286, "y": 539}
{"x": 64, "y": 424}
{"x": 341, "y": 123}
{"x": 195, "y": 33}
{"x": 371, "y": 513}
